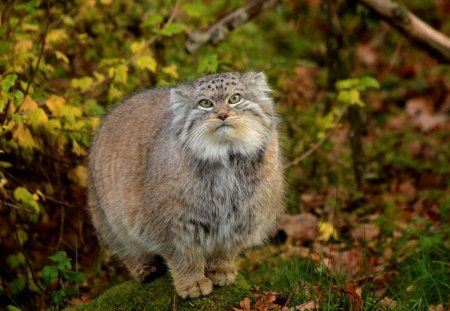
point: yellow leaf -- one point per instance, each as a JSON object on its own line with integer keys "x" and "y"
{"x": 38, "y": 117}
{"x": 53, "y": 126}
{"x": 99, "y": 77}
{"x": 327, "y": 231}
{"x": 78, "y": 175}
{"x": 78, "y": 150}
{"x": 171, "y": 71}
{"x": 28, "y": 104}
{"x": 30, "y": 27}
{"x": 83, "y": 83}
{"x": 111, "y": 72}
{"x": 105, "y": 2}
{"x": 70, "y": 113}
{"x": 23, "y": 45}
{"x": 146, "y": 62}
{"x": 55, "y": 103}
{"x": 61, "y": 56}
{"x": 121, "y": 74}
{"x": 114, "y": 94}
{"x": 22, "y": 135}
{"x": 95, "y": 122}
{"x": 55, "y": 36}
{"x": 61, "y": 142}
{"x": 137, "y": 46}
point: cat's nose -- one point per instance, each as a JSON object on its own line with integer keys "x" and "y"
{"x": 222, "y": 116}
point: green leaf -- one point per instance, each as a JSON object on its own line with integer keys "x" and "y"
{"x": 22, "y": 236}
{"x": 91, "y": 108}
{"x": 62, "y": 260}
{"x": 347, "y": 84}
{"x": 21, "y": 194}
{"x": 18, "y": 95}
{"x": 350, "y": 97}
{"x": 15, "y": 260}
{"x": 172, "y": 29}
{"x": 58, "y": 296}
{"x": 194, "y": 9}
{"x": 8, "y": 82}
{"x": 49, "y": 273}
{"x": 208, "y": 64}
{"x": 368, "y": 82}
{"x": 17, "y": 285}
{"x": 152, "y": 20}
{"x": 12, "y": 308}
{"x": 74, "y": 277}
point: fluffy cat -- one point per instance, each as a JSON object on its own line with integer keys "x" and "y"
{"x": 190, "y": 173}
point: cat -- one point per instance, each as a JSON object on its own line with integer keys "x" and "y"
{"x": 191, "y": 173}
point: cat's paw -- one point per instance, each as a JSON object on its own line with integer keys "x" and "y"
{"x": 222, "y": 276}
{"x": 196, "y": 289}
{"x": 143, "y": 272}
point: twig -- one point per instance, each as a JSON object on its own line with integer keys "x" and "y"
{"x": 217, "y": 32}
{"x": 315, "y": 147}
{"x": 41, "y": 52}
{"x": 398, "y": 16}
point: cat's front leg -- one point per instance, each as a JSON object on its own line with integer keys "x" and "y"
{"x": 188, "y": 273}
{"x": 221, "y": 269}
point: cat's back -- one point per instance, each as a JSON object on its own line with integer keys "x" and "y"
{"x": 137, "y": 116}
{"x": 118, "y": 152}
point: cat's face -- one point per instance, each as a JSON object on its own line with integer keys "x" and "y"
{"x": 223, "y": 114}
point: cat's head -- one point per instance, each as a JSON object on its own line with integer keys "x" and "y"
{"x": 223, "y": 114}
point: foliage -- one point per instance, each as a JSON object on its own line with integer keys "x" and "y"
{"x": 60, "y": 272}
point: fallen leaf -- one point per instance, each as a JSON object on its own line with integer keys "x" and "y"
{"x": 244, "y": 305}
{"x": 327, "y": 231}
{"x": 367, "y": 232}
{"x": 308, "y": 306}
{"x": 407, "y": 189}
{"x": 428, "y": 122}
{"x": 353, "y": 293}
{"x": 301, "y": 226}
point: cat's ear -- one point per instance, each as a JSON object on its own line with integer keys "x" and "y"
{"x": 258, "y": 81}
{"x": 179, "y": 97}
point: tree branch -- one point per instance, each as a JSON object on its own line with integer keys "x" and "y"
{"x": 217, "y": 32}
{"x": 398, "y": 16}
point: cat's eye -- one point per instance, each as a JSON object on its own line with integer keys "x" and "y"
{"x": 205, "y": 103}
{"x": 234, "y": 99}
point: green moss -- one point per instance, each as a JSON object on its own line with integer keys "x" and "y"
{"x": 160, "y": 295}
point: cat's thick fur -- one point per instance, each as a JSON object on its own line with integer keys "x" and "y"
{"x": 173, "y": 177}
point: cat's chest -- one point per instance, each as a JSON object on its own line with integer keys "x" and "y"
{"x": 224, "y": 207}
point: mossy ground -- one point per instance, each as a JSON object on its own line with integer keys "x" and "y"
{"x": 160, "y": 294}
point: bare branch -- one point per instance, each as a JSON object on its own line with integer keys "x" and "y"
{"x": 217, "y": 32}
{"x": 398, "y": 16}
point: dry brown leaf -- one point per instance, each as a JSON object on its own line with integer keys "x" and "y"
{"x": 353, "y": 293}
{"x": 367, "y": 232}
{"x": 308, "y": 306}
{"x": 245, "y": 305}
{"x": 407, "y": 189}
{"x": 367, "y": 55}
{"x": 267, "y": 302}
{"x": 439, "y": 307}
{"x": 428, "y": 122}
{"x": 301, "y": 226}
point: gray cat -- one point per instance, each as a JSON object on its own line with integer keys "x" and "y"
{"x": 190, "y": 173}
